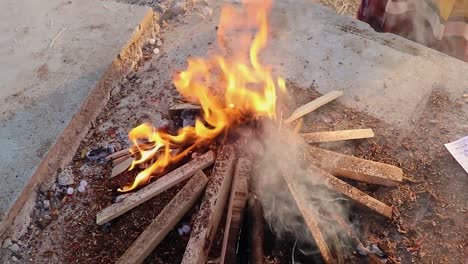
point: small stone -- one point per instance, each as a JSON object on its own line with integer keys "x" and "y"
{"x": 7, "y": 243}
{"x": 186, "y": 229}
{"x": 70, "y": 191}
{"x": 14, "y": 259}
{"x": 46, "y": 204}
{"x": 66, "y": 177}
{"x": 156, "y": 51}
{"x": 179, "y": 7}
{"x": 180, "y": 231}
{"x": 374, "y": 249}
{"x": 81, "y": 189}
{"x": 206, "y": 11}
{"x": 159, "y": 43}
{"x": 14, "y": 248}
{"x": 83, "y": 183}
{"x": 152, "y": 41}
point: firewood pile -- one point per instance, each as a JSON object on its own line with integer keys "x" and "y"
{"x": 230, "y": 189}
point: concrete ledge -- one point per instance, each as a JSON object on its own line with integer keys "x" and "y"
{"x": 65, "y": 146}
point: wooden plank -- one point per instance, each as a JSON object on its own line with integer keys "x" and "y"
{"x": 257, "y": 234}
{"x": 310, "y": 219}
{"x": 122, "y": 166}
{"x": 329, "y": 136}
{"x": 167, "y": 181}
{"x": 354, "y": 167}
{"x": 212, "y": 207}
{"x": 311, "y": 106}
{"x": 165, "y": 221}
{"x": 351, "y": 192}
{"x": 119, "y": 154}
{"x": 237, "y": 202}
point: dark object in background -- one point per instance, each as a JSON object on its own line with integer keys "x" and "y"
{"x": 441, "y": 25}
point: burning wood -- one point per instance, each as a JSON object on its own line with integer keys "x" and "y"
{"x": 165, "y": 221}
{"x": 122, "y": 166}
{"x": 255, "y": 213}
{"x": 354, "y": 168}
{"x": 237, "y": 202}
{"x": 211, "y": 208}
{"x": 169, "y": 180}
{"x": 318, "y": 137}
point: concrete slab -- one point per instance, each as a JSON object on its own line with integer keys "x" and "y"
{"x": 43, "y": 85}
{"x": 382, "y": 74}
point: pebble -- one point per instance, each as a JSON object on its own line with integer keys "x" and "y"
{"x": 156, "y": 51}
{"x": 66, "y": 177}
{"x": 14, "y": 259}
{"x": 159, "y": 43}
{"x": 14, "y": 248}
{"x": 152, "y": 41}
{"x": 70, "y": 191}
{"x": 206, "y": 11}
{"x": 81, "y": 189}
{"x": 179, "y": 7}
{"x": 46, "y": 204}
{"x": 7, "y": 243}
{"x": 83, "y": 183}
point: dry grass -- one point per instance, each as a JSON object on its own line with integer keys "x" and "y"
{"x": 342, "y": 7}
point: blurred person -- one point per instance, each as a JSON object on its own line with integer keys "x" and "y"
{"x": 438, "y": 24}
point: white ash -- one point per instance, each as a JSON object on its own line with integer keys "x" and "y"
{"x": 66, "y": 177}
{"x": 152, "y": 41}
{"x": 46, "y": 204}
{"x": 14, "y": 259}
{"x": 156, "y": 51}
{"x": 186, "y": 229}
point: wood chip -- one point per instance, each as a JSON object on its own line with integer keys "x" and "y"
{"x": 118, "y": 154}
{"x": 212, "y": 207}
{"x": 165, "y": 182}
{"x": 354, "y": 168}
{"x": 329, "y": 136}
{"x": 165, "y": 221}
{"x": 311, "y": 106}
{"x": 178, "y": 108}
{"x": 310, "y": 219}
{"x": 122, "y": 166}
{"x": 351, "y": 192}
{"x": 237, "y": 202}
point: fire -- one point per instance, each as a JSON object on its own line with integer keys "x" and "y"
{"x": 232, "y": 87}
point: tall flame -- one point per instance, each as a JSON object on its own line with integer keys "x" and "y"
{"x": 232, "y": 87}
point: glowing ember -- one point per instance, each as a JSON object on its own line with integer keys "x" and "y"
{"x": 232, "y": 88}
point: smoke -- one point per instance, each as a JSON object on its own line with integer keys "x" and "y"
{"x": 279, "y": 151}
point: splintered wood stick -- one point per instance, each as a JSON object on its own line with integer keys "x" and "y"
{"x": 354, "y": 168}
{"x": 350, "y": 191}
{"x": 122, "y": 166}
{"x": 311, "y": 106}
{"x": 237, "y": 201}
{"x": 310, "y": 219}
{"x": 165, "y": 221}
{"x": 328, "y": 136}
{"x": 119, "y": 160}
{"x": 165, "y": 182}
{"x": 212, "y": 207}
{"x": 118, "y": 154}
{"x": 255, "y": 214}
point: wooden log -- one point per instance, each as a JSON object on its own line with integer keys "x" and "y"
{"x": 167, "y": 181}
{"x": 122, "y": 166}
{"x": 165, "y": 221}
{"x": 351, "y": 192}
{"x": 329, "y": 136}
{"x": 354, "y": 168}
{"x": 212, "y": 207}
{"x": 257, "y": 234}
{"x": 311, "y": 106}
{"x": 310, "y": 219}
{"x": 237, "y": 202}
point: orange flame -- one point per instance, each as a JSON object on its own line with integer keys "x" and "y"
{"x": 231, "y": 89}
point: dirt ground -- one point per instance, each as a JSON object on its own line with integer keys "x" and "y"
{"x": 432, "y": 205}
